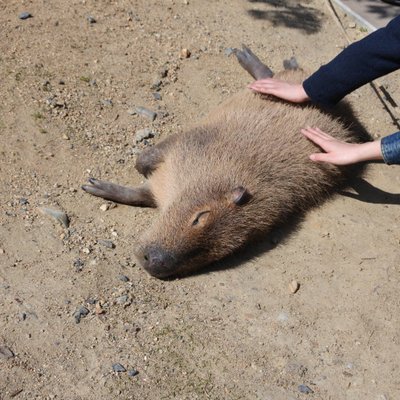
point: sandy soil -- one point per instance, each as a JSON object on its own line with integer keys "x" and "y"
{"x": 67, "y": 85}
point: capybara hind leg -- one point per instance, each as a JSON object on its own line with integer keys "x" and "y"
{"x": 251, "y": 63}
{"x": 139, "y": 196}
{"x": 150, "y": 158}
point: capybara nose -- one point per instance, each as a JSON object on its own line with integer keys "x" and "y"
{"x": 157, "y": 262}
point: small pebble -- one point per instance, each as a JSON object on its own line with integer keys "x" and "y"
{"x": 5, "y": 353}
{"x": 104, "y": 207}
{"x": 133, "y": 372}
{"x": 294, "y": 286}
{"x": 23, "y": 202}
{"x": 185, "y": 53}
{"x": 156, "y": 85}
{"x": 81, "y": 312}
{"x": 25, "y": 15}
{"x": 157, "y": 96}
{"x": 143, "y": 134}
{"x": 123, "y": 300}
{"x": 91, "y": 301}
{"x": 107, "y": 102}
{"x": 106, "y": 243}
{"x": 229, "y": 51}
{"x": 118, "y": 368}
{"x": 305, "y": 389}
{"x": 123, "y": 278}
{"x": 60, "y": 216}
{"x": 78, "y": 264}
{"x": 91, "y": 19}
{"x": 145, "y": 112}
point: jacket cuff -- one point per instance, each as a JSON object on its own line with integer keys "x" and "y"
{"x": 390, "y": 147}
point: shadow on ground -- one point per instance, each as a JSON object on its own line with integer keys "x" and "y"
{"x": 288, "y": 13}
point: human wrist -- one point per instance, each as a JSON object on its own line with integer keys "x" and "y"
{"x": 302, "y": 94}
{"x": 369, "y": 151}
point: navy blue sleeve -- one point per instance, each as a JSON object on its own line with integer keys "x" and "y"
{"x": 376, "y": 55}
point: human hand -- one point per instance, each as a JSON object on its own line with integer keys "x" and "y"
{"x": 293, "y": 92}
{"x": 341, "y": 153}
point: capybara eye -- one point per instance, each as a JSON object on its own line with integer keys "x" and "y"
{"x": 199, "y": 218}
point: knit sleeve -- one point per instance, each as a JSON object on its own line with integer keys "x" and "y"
{"x": 376, "y": 55}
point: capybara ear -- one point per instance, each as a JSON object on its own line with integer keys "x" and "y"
{"x": 239, "y": 196}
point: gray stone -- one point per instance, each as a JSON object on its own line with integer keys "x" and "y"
{"x": 25, "y": 15}
{"x": 80, "y": 313}
{"x": 5, "y": 353}
{"x": 60, "y": 216}
{"x": 118, "y": 368}
{"x": 305, "y": 389}
{"x": 143, "y": 134}
{"x": 145, "y": 112}
{"x": 106, "y": 243}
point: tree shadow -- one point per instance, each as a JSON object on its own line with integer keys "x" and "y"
{"x": 380, "y": 8}
{"x": 288, "y": 13}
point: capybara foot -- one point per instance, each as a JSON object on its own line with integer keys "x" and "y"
{"x": 140, "y": 196}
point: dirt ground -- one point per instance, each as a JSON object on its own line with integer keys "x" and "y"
{"x": 68, "y": 78}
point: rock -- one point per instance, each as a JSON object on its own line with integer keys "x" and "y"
{"x": 143, "y": 134}
{"x": 6, "y": 353}
{"x": 229, "y": 51}
{"x": 25, "y": 15}
{"x": 133, "y": 372}
{"x": 156, "y": 84}
{"x": 123, "y": 300}
{"x": 78, "y": 264}
{"x": 99, "y": 309}
{"x": 104, "y": 207}
{"x": 80, "y": 312}
{"x": 185, "y": 53}
{"x": 294, "y": 286}
{"x": 91, "y": 19}
{"x": 157, "y": 96}
{"x": 163, "y": 72}
{"x": 145, "y": 112}
{"x": 283, "y": 317}
{"x": 106, "y": 243}
{"x": 123, "y": 278}
{"x": 305, "y": 389}
{"x": 23, "y": 202}
{"x": 107, "y": 102}
{"x": 118, "y": 368}
{"x": 60, "y": 216}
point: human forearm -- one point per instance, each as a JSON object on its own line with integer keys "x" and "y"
{"x": 361, "y": 62}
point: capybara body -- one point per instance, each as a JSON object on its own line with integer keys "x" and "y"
{"x": 240, "y": 172}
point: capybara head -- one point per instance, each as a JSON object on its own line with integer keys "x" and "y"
{"x": 192, "y": 233}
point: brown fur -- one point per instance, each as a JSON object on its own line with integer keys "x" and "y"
{"x": 237, "y": 174}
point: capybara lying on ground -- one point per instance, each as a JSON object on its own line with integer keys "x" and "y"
{"x": 240, "y": 172}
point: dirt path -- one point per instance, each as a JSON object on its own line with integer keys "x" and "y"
{"x": 67, "y": 85}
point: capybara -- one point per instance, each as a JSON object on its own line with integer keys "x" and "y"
{"x": 237, "y": 174}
